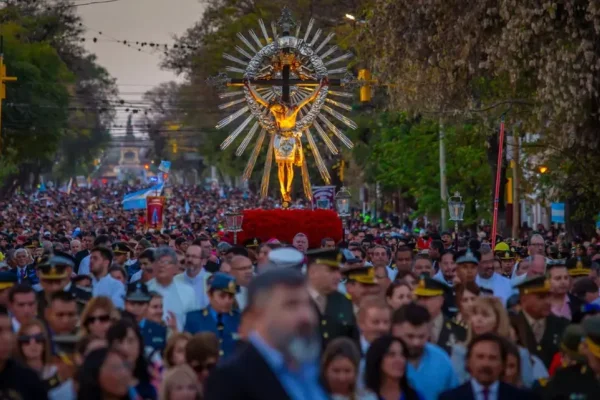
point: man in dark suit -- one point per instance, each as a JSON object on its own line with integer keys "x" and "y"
{"x": 536, "y": 327}
{"x": 335, "y": 311}
{"x": 137, "y": 300}
{"x": 444, "y": 332}
{"x": 486, "y": 359}
{"x": 284, "y": 339}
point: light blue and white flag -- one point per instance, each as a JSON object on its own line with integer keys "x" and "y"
{"x": 187, "y": 207}
{"x": 137, "y": 200}
{"x": 165, "y": 166}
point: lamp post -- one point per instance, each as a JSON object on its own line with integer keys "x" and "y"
{"x": 342, "y": 205}
{"x": 233, "y": 222}
{"x": 457, "y": 210}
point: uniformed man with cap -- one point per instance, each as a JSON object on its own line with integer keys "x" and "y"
{"x": 430, "y": 293}
{"x": 579, "y": 267}
{"x": 537, "y": 329}
{"x": 121, "y": 252}
{"x": 252, "y": 243}
{"x": 334, "y": 310}
{"x": 507, "y": 258}
{"x": 7, "y": 281}
{"x": 284, "y": 257}
{"x": 137, "y": 300}
{"x": 577, "y": 380}
{"x": 360, "y": 282}
{"x": 55, "y": 275}
{"x": 219, "y": 317}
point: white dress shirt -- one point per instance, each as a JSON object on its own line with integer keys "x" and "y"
{"x": 478, "y": 390}
{"x": 178, "y": 298}
{"x": 84, "y": 266}
{"x": 111, "y": 288}
{"x": 498, "y": 284}
{"x": 200, "y": 285}
{"x": 242, "y": 298}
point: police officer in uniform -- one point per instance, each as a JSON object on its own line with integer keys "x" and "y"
{"x": 537, "y": 329}
{"x": 334, "y": 310}
{"x": 137, "y": 300}
{"x": 55, "y": 275}
{"x": 219, "y": 317}
{"x": 577, "y": 380}
{"x": 430, "y": 294}
{"x": 121, "y": 253}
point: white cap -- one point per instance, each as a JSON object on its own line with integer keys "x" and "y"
{"x": 286, "y": 257}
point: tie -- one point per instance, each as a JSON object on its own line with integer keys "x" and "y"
{"x": 22, "y": 275}
{"x": 220, "y": 325}
{"x": 321, "y": 303}
{"x": 538, "y": 330}
{"x": 485, "y": 393}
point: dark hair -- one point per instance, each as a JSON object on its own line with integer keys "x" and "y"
{"x": 118, "y": 332}
{"x": 446, "y": 252}
{"x": 63, "y": 296}
{"x": 461, "y": 288}
{"x": 339, "y": 347}
{"x": 512, "y": 350}
{"x": 19, "y": 289}
{"x": 374, "y": 359}
{"x": 488, "y": 337}
{"x": 403, "y": 249}
{"x": 413, "y": 313}
{"x": 121, "y": 270}
{"x": 104, "y": 252}
{"x": 237, "y": 251}
{"x": 268, "y": 280}
{"x": 438, "y": 245}
{"x": 101, "y": 240}
{"x": 3, "y": 311}
{"x": 147, "y": 254}
{"x": 325, "y": 240}
{"x": 89, "y": 375}
{"x": 394, "y": 285}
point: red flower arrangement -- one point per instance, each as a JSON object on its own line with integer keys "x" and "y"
{"x": 285, "y": 224}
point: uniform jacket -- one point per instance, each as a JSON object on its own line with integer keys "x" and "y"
{"x": 451, "y": 334}
{"x": 550, "y": 342}
{"x": 82, "y": 296}
{"x": 573, "y": 382}
{"x": 205, "y": 320}
{"x": 154, "y": 335}
{"x": 338, "y": 320}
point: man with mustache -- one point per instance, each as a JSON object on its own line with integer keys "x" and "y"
{"x": 486, "y": 359}
{"x": 281, "y": 358}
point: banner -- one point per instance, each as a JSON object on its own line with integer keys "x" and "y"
{"x": 323, "y": 197}
{"x": 557, "y": 212}
{"x": 155, "y": 206}
{"x": 165, "y": 166}
{"x": 137, "y": 200}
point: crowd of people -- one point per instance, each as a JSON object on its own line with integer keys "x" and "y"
{"x": 94, "y": 306}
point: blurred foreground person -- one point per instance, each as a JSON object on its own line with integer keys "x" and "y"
{"x": 283, "y": 350}
{"x": 180, "y": 383}
{"x": 105, "y": 374}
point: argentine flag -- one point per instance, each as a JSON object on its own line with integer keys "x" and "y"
{"x": 137, "y": 200}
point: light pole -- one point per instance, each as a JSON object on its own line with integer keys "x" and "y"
{"x": 457, "y": 210}
{"x": 342, "y": 205}
{"x": 233, "y": 222}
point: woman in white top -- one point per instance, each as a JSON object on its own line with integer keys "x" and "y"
{"x": 339, "y": 371}
{"x": 489, "y": 316}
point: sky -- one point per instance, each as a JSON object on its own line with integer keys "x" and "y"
{"x": 136, "y": 20}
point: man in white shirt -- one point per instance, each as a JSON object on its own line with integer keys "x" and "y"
{"x": 101, "y": 241}
{"x": 102, "y": 283}
{"x": 195, "y": 275}
{"x": 243, "y": 271}
{"x": 178, "y": 298}
{"x": 487, "y": 278}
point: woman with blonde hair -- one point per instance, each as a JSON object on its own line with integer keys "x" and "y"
{"x": 489, "y": 316}
{"x": 97, "y": 316}
{"x": 180, "y": 383}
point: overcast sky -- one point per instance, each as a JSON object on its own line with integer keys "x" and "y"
{"x": 136, "y": 20}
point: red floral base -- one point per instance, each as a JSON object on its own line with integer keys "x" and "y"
{"x": 285, "y": 224}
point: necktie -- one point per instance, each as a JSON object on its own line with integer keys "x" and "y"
{"x": 486, "y": 393}
{"x": 538, "y": 330}
{"x": 22, "y": 275}
{"x": 321, "y": 303}
{"x": 220, "y": 325}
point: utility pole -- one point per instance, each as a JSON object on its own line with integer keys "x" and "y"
{"x": 516, "y": 222}
{"x": 443, "y": 186}
{"x": 3, "y": 79}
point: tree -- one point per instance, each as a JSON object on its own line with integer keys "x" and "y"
{"x": 462, "y": 59}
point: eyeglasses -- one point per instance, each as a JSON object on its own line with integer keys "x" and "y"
{"x": 25, "y": 339}
{"x": 100, "y": 318}
{"x": 199, "y": 368}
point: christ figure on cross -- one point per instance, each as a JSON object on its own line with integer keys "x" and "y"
{"x": 287, "y": 144}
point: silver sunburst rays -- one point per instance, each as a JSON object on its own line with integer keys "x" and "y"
{"x": 256, "y": 59}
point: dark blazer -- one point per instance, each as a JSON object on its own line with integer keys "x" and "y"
{"x": 227, "y": 332}
{"x": 505, "y": 392}
{"x": 451, "y": 334}
{"x": 232, "y": 381}
{"x": 575, "y": 381}
{"x": 575, "y": 305}
{"x": 339, "y": 319}
{"x": 549, "y": 345}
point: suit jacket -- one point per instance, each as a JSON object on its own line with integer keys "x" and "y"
{"x": 82, "y": 296}
{"x": 338, "y": 320}
{"x": 505, "y": 392}
{"x": 231, "y": 380}
{"x": 550, "y": 343}
{"x": 154, "y": 335}
{"x": 227, "y": 332}
{"x": 30, "y": 275}
{"x": 575, "y": 381}
{"x": 575, "y": 305}
{"x": 451, "y": 334}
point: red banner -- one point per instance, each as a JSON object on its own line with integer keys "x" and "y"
{"x": 155, "y": 206}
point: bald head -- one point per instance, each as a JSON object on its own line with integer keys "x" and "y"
{"x": 537, "y": 266}
{"x": 242, "y": 269}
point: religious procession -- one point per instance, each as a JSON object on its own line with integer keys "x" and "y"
{"x": 402, "y": 208}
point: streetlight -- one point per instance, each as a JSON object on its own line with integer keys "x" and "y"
{"x": 342, "y": 202}
{"x": 233, "y": 222}
{"x": 457, "y": 210}
{"x": 351, "y": 17}
{"x": 543, "y": 169}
